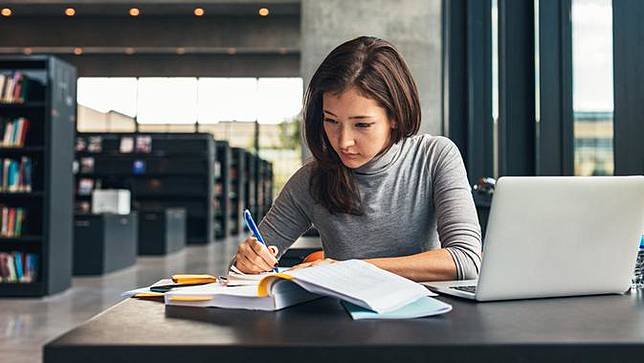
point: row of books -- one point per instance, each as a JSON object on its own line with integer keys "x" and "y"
{"x": 14, "y": 132}
{"x": 13, "y": 87}
{"x": 18, "y": 267}
{"x": 128, "y": 144}
{"x": 15, "y": 176}
{"x": 86, "y": 166}
{"x": 12, "y": 221}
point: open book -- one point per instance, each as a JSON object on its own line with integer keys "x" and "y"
{"x": 354, "y": 281}
{"x": 237, "y": 278}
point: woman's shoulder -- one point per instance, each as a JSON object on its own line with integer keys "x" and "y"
{"x": 300, "y": 180}
{"x": 433, "y": 146}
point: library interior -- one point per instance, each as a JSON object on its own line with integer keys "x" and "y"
{"x": 245, "y": 180}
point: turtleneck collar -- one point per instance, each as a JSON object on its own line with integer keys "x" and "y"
{"x": 381, "y": 162}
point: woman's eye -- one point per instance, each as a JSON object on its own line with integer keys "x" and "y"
{"x": 330, "y": 121}
{"x": 363, "y": 124}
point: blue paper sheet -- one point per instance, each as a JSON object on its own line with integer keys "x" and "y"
{"x": 425, "y": 306}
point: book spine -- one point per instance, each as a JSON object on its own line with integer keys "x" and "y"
{"x": 4, "y": 270}
{"x": 34, "y": 267}
{"x": 17, "y": 257}
{"x": 7, "y": 134}
{"x": 12, "y": 222}
{"x": 12, "y": 85}
{"x": 5, "y": 180}
{"x": 18, "y": 90}
{"x": 28, "y": 270}
{"x": 3, "y": 80}
{"x": 12, "y": 185}
{"x": 23, "y": 134}
{"x": 3, "y": 125}
{"x": 28, "y": 174}
{"x": 12, "y": 268}
{"x": 16, "y": 132}
{"x": 20, "y": 218}
{"x": 5, "y": 219}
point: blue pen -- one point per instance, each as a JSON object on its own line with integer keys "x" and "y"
{"x": 253, "y": 227}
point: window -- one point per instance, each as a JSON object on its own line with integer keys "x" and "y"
{"x": 592, "y": 55}
{"x": 225, "y": 107}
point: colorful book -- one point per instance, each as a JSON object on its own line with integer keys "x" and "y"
{"x": 12, "y": 269}
{"x": 17, "y": 259}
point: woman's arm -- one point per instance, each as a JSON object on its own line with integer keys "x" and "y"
{"x": 435, "y": 265}
{"x": 457, "y": 223}
{"x": 285, "y": 221}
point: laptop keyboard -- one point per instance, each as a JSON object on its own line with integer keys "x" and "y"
{"x": 471, "y": 288}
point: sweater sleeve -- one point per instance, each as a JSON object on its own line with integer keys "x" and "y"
{"x": 457, "y": 222}
{"x": 287, "y": 219}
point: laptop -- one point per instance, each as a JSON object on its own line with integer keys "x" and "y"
{"x": 557, "y": 236}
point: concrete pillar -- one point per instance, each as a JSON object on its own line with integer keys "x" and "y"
{"x": 412, "y": 26}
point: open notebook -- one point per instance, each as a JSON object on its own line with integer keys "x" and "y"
{"x": 354, "y": 281}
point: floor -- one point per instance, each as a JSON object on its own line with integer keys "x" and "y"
{"x": 27, "y": 324}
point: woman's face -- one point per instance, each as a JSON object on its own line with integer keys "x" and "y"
{"x": 357, "y": 127}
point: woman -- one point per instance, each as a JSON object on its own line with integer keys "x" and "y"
{"x": 373, "y": 190}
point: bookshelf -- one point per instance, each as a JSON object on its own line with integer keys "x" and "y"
{"x": 260, "y": 187}
{"x": 161, "y": 170}
{"x": 237, "y": 189}
{"x": 37, "y": 118}
{"x": 268, "y": 186}
{"x": 250, "y": 184}
{"x": 259, "y": 191}
{"x": 264, "y": 187}
{"x": 222, "y": 190}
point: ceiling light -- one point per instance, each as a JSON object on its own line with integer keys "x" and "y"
{"x": 134, "y": 12}
{"x": 263, "y": 12}
{"x": 27, "y": 51}
{"x": 6, "y": 12}
{"x": 78, "y": 51}
{"x": 199, "y": 12}
{"x": 70, "y": 12}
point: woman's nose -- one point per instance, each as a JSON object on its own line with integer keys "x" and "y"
{"x": 346, "y": 139}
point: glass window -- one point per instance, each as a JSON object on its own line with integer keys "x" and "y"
{"x": 225, "y": 107}
{"x": 167, "y": 100}
{"x": 108, "y": 94}
{"x": 227, "y": 99}
{"x": 278, "y": 99}
{"x": 495, "y": 85}
{"x": 592, "y": 56}
{"x": 106, "y": 104}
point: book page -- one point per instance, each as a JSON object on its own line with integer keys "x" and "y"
{"x": 360, "y": 283}
{"x": 237, "y": 278}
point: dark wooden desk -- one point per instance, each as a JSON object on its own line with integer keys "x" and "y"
{"x": 601, "y": 328}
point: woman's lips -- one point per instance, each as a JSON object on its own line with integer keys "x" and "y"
{"x": 349, "y": 155}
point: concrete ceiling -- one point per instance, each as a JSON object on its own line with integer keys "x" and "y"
{"x": 164, "y": 40}
{"x": 151, "y": 8}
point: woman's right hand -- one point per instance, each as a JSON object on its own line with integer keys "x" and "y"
{"x": 253, "y": 257}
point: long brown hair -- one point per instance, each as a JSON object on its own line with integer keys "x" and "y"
{"x": 375, "y": 68}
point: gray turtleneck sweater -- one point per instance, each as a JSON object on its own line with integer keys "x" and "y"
{"x": 416, "y": 198}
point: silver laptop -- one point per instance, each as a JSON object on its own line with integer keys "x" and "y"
{"x": 557, "y": 236}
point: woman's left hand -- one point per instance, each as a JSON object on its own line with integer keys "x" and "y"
{"x": 325, "y": 261}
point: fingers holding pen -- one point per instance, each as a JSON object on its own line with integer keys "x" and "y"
{"x": 265, "y": 253}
